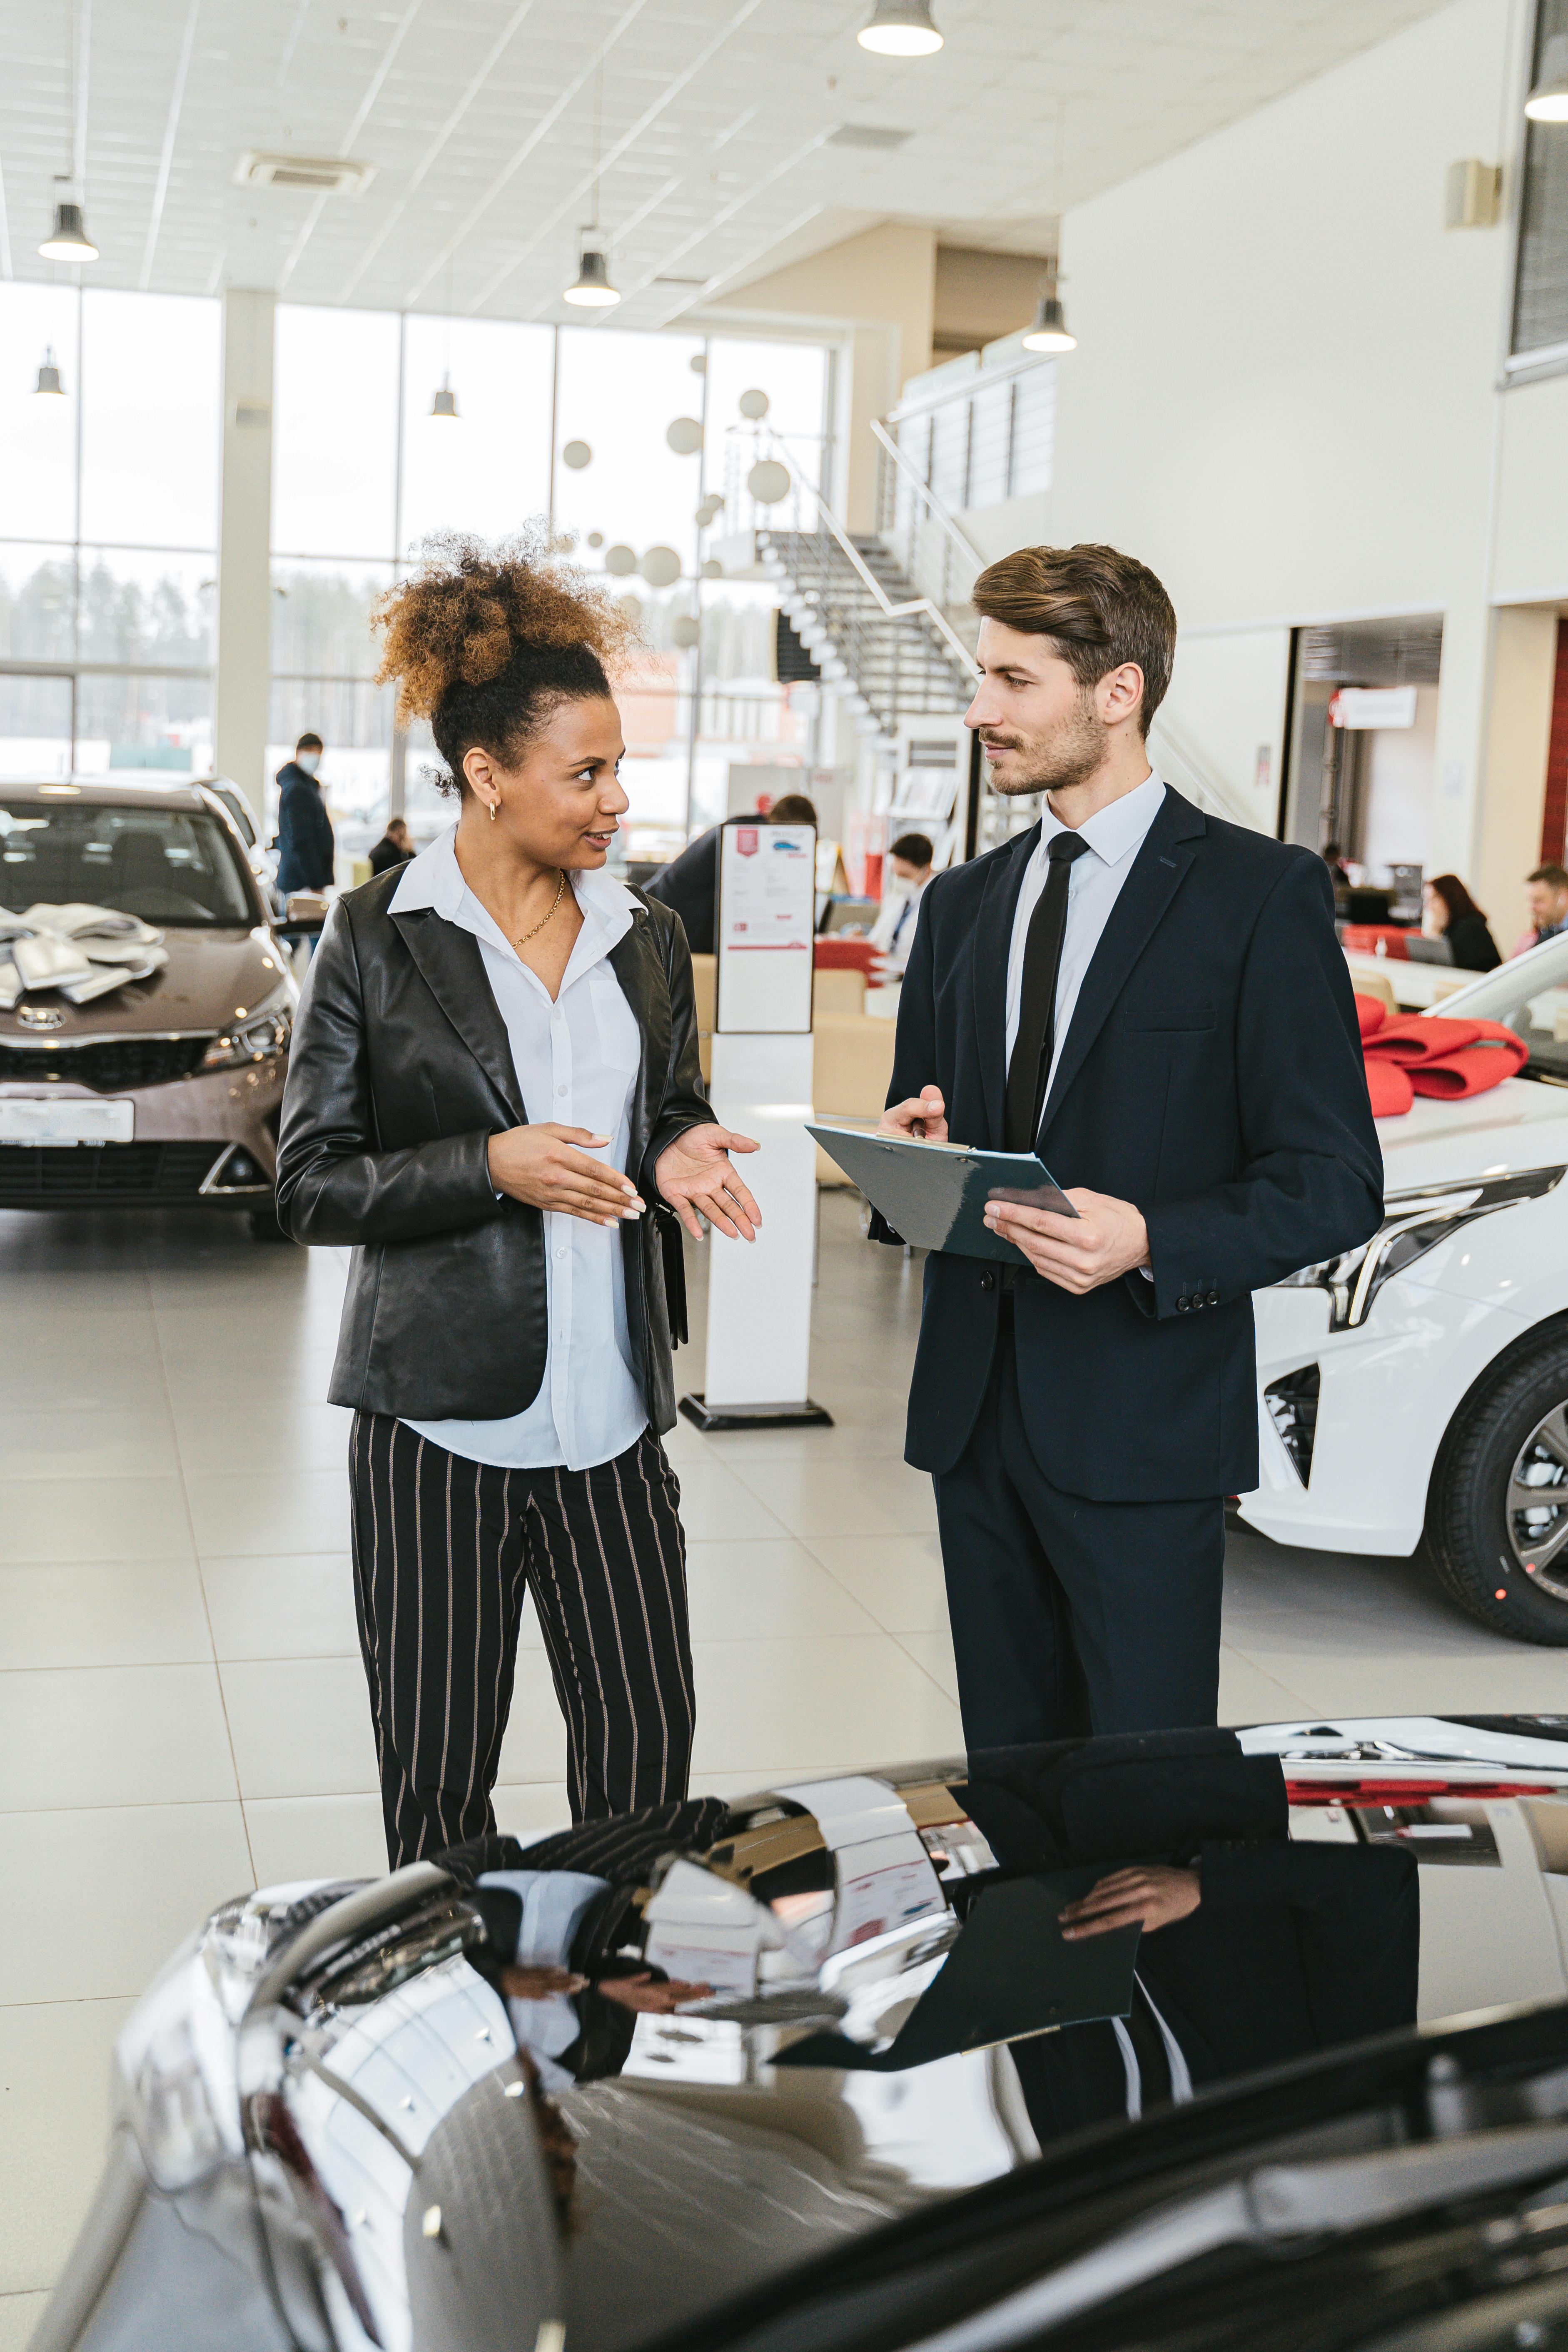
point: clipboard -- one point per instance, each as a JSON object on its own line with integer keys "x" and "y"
{"x": 934, "y": 1194}
{"x": 1011, "y": 1975}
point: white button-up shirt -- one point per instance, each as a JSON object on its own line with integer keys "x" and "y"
{"x": 576, "y": 1061}
{"x": 1115, "y": 835}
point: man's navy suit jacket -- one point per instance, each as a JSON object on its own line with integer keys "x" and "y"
{"x": 1211, "y": 1074}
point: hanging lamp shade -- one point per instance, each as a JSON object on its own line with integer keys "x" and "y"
{"x": 1548, "y": 101}
{"x": 1049, "y": 332}
{"x": 445, "y": 401}
{"x": 48, "y": 374}
{"x": 592, "y": 290}
{"x": 69, "y": 239}
{"x": 900, "y": 29}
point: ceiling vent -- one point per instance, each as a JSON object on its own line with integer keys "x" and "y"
{"x": 867, "y": 134}
{"x": 319, "y": 174}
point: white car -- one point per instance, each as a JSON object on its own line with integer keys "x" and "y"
{"x": 1417, "y": 1388}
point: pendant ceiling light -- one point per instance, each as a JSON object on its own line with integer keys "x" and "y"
{"x": 1548, "y": 101}
{"x": 900, "y": 29}
{"x": 48, "y": 374}
{"x": 592, "y": 290}
{"x": 445, "y": 401}
{"x": 1049, "y": 332}
{"x": 69, "y": 239}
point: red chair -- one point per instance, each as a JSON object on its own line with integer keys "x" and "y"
{"x": 837, "y": 954}
{"x": 1361, "y": 938}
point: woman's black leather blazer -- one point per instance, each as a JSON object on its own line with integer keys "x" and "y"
{"x": 399, "y": 1074}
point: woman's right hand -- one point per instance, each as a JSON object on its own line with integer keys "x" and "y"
{"x": 543, "y": 1166}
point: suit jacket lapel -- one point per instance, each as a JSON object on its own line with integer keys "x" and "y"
{"x": 637, "y": 964}
{"x": 449, "y": 959}
{"x": 992, "y": 945}
{"x": 1158, "y": 872}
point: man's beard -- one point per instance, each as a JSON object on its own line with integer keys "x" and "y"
{"x": 1055, "y": 762}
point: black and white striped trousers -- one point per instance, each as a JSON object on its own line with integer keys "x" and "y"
{"x": 445, "y": 1551}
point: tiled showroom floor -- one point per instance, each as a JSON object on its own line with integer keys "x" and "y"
{"x": 181, "y": 1712}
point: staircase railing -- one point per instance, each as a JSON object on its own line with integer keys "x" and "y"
{"x": 932, "y": 547}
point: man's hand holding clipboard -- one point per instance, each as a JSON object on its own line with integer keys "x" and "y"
{"x": 1106, "y": 1239}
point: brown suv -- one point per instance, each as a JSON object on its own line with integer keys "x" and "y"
{"x": 164, "y": 1090}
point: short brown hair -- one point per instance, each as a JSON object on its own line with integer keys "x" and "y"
{"x": 793, "y": 809}
{"x": 1556, "y": 876}
{"x": 1100, "y": 608}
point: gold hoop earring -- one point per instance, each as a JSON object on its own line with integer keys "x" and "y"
{"x": 492, "y": 811}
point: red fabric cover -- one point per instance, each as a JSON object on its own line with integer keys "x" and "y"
{"x": 1371, "y": 1012}
{"x": 1390, "y": 1088}
{"x": 1416, "y": 1038}
{"x": 1421, "y": 1055}
{"x": 1468, "y": 1072}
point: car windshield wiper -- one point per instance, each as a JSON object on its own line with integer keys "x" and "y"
{"x": 1273, "y": 2203}
{"x": 1550, "y": 1074}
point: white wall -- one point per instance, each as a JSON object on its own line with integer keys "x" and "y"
{"x": 1400, "y": 773}
{"x": 1224, "y": 717}
{"x": 1284, "y": 395}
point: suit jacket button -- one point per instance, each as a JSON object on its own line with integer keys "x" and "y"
{"x": 1182, "y": 1303}
{"x": 1213, "y": 1298}
{"x": 988, "y": 1282}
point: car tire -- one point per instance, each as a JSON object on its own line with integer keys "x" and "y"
{"x": 1515, "y": 1421}
{"x": 265, "y": 1227}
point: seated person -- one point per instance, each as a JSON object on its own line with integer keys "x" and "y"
{"x": 395, "y": 847}
{"x": 910, "y": 865}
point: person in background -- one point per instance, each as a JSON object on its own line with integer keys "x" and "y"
{"x": 689, "y": 883}
{"x": 394, "y": 848}
{"x": 1451, "y": 913}
{"x": 305, "y": 843}
{"x": 1334, "y": 859}
{"x": 893, "y": 932}
{"x": 1546, "y": 895}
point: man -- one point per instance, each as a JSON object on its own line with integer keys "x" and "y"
{"x": 305, "y": 843}
{"x": 689, "y": 883}
{"x": 893, "y": 932}
{"x": 394, "y": 848}
{"x": 1546, "y": 895}
{"x": 1156, "y": 1001}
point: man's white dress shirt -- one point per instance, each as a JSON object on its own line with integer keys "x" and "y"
{"x": 1115, "y": 835}
{"x": 576, "y": 1061}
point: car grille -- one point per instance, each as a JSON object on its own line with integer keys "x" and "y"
{"x": 110, "y": 1066}
{"x": 37, "y": 1176}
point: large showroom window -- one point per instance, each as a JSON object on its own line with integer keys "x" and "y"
{"x": 110, "y": 413}
{"x": 572, "y": 425}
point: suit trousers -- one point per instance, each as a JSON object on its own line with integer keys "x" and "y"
{"x": 1070, "y": 1616}
{"x": 445, "y": 1552}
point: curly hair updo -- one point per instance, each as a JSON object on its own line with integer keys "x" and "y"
{"x": 486, "y": 642}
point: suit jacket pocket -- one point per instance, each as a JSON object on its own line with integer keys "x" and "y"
{"x": 1183, "y": 1014}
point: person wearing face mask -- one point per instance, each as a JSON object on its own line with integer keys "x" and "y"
{"x": 305, "y": 845}
{"x": 893, "y": 932}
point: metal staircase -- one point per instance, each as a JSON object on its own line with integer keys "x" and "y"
{"x": 863, "y": 624}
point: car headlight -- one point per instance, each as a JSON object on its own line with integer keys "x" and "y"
{"x": 1413, "y": 1223}
{"x": 266, "y": 1030}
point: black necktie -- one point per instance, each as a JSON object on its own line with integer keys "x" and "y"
{"x": 1031, "y": 1048}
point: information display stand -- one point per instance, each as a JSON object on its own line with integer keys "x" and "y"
{"x": 758, "y": 1294}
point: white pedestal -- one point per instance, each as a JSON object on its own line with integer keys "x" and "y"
{"x": 759, "y": 1293}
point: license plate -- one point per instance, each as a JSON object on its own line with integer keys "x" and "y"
{"x": 34, "y": 1119}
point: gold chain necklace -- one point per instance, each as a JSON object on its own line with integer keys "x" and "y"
{"x": 559, "y": 890}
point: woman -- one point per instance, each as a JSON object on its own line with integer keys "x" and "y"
{"x": 506, "y": 1337}
{"x": 1451, "y": 913}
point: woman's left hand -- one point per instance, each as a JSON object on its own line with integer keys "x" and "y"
{"x": 695, "y": 1174}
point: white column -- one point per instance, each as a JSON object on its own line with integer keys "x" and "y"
{"x": 243, "y": 689}
{"x": 759, "y": 1293}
